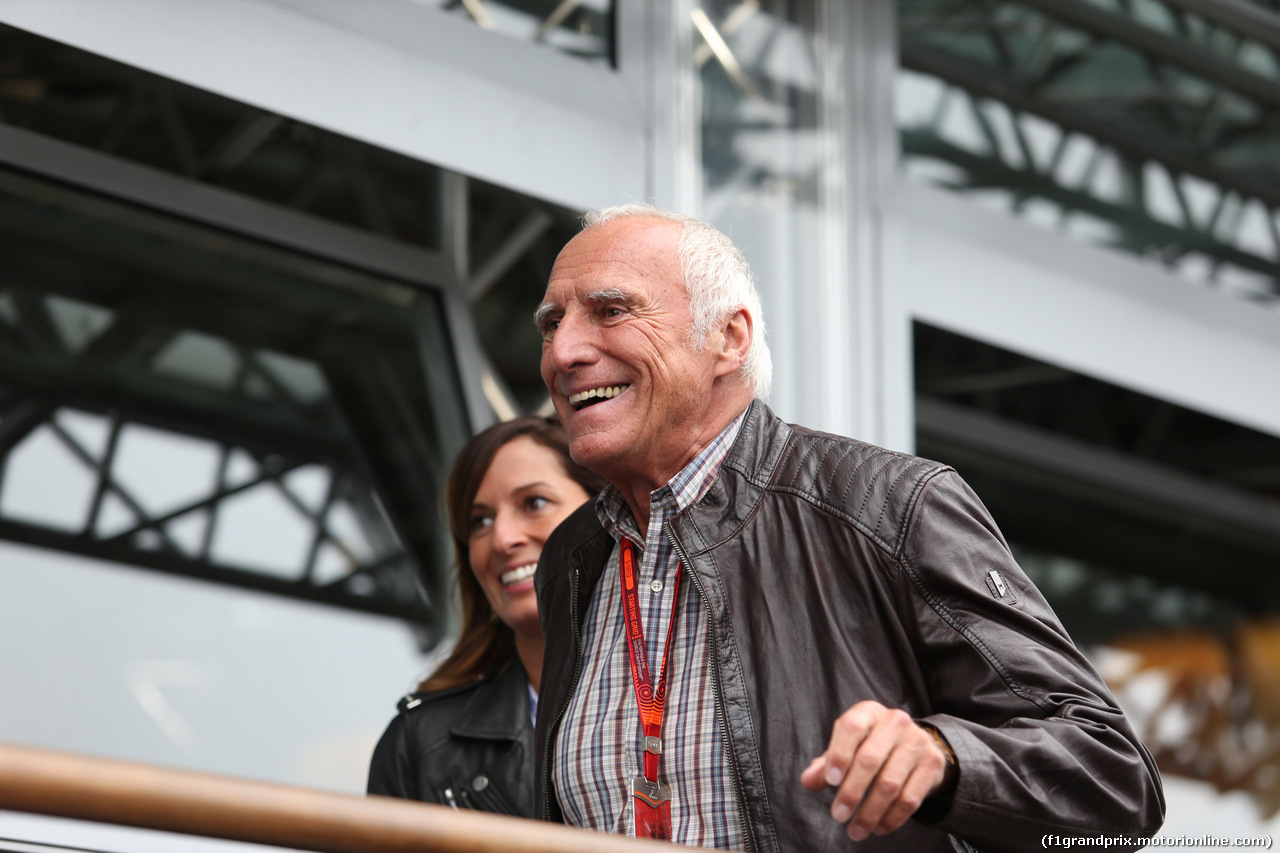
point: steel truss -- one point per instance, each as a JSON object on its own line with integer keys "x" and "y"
{"x": 1150, "y": 127}
{"x": 111, "y": 347}
{"x": 398, "y": 247}
{"x": 376, "y": 579}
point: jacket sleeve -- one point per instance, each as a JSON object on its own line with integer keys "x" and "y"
{"x": 390, "y": 771}
{"x": 1042, "y": 747}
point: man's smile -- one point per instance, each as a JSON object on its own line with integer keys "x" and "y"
{"x": 591, "y": 396}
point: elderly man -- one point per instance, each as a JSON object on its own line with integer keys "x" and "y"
{"x": 747, "y": 595}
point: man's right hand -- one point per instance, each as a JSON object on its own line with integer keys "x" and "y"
{"x": 884, "y": 765}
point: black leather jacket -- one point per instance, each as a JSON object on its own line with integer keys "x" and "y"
{"x": 834, "y": 571}
{"x": 470, "y": 746}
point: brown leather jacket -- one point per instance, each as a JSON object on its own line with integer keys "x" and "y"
{"x": 835, "y": 571}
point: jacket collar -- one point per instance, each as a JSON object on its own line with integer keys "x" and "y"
{"x": 759, "y": 446}
{"x": 745, "y": 473}
{"x": 498, "y": 708}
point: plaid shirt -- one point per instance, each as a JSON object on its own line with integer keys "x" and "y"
{"x": 600, "y": 745}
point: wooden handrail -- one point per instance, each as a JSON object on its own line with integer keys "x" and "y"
{"x": 120, "y": 792}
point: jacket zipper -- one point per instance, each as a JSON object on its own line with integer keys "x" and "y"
{"x": 564, "y": 708}
{"x": 721, "y": 717}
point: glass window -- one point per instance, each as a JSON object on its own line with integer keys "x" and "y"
{"x": 1148, "y": 127}
{"x": 179, "y": 399}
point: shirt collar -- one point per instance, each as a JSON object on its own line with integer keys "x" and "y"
{"x": 681, "y": 492}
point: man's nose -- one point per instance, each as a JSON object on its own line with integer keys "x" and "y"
{"x": 571, "y": 344}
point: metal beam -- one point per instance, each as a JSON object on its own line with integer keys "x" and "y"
{"x": 21, "y": 420}
{"x": 1245, "y": 19}
{"x": 985, "y": 172}
{"x": 455, "y": 227}
{"x": 533, "y": 226}
{"x": 996, "y": 380}
{"x": 1036, "y": 512}
{"x": 1111, "y": 477}
{"x": 984, "y": 82}
{"x": 32, "y": 152}
{"x": 174, "y": 564}
{"x": 98, "y": 388}
{"x": 1185, "y": 55}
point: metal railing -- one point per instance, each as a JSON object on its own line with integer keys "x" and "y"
{"x": 118, "y": 792}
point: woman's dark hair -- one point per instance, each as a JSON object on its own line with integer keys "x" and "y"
{"x": 485, "y": 641}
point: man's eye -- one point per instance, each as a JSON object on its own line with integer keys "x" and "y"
{"x": 613, "y": 311}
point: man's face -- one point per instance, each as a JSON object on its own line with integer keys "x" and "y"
{"x": 615, "y": 320}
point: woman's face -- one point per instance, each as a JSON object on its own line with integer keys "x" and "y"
{"x": 523, "y": 496}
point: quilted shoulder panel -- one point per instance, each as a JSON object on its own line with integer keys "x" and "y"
{"x": 871, "y": 487}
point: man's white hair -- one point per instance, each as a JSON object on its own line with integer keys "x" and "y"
{"x": 717, "y": 279}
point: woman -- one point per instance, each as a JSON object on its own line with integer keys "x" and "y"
{"x": 465, "y": 738}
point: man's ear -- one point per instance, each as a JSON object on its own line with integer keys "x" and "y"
{"x": 735, "y": 340}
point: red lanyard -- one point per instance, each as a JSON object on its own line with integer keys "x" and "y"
{"x": 652, "y": 801}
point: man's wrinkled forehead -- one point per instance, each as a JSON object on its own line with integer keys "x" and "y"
{"x": 630, "y": 258}
{"x": 637, "y": 249}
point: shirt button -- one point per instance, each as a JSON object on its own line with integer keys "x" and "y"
{"x": 655, "y": 585}
{"x": 479, "y": 783}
